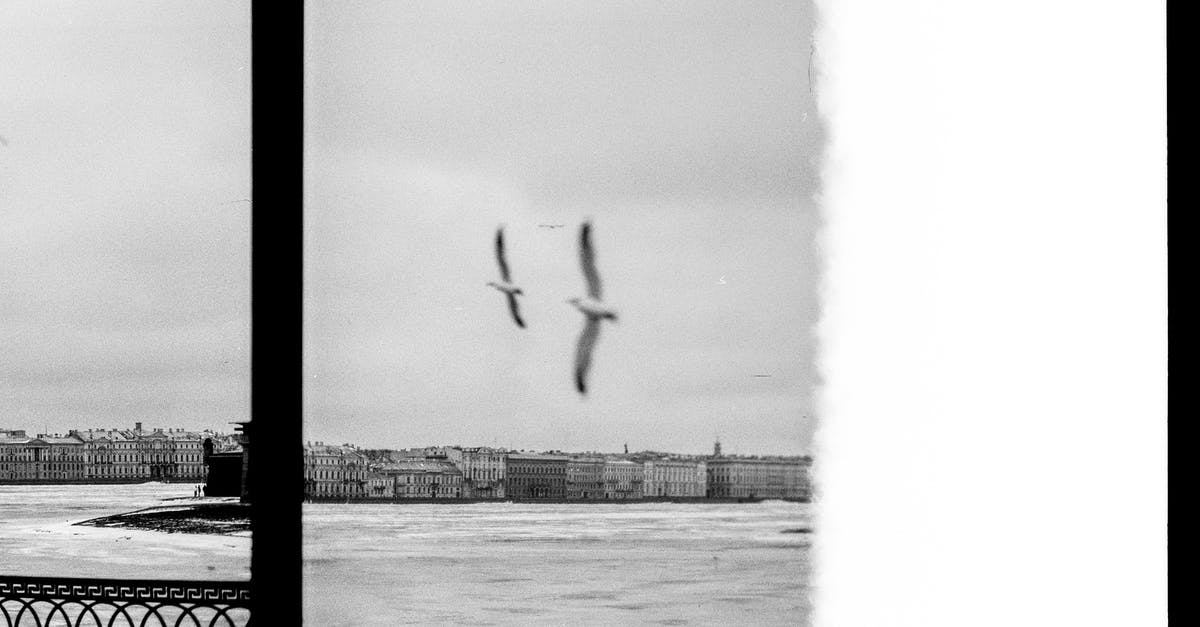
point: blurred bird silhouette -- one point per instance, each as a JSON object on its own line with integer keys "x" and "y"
{"x": 507, "y": 286}
{"x": 591, "y": 307}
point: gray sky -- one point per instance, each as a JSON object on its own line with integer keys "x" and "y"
{"x": 124, "y": 294}
{"x": 685, "y": 130}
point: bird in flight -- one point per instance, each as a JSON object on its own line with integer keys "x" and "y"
{"x": 507, "y": 287}
{"x": 591, "y": 307}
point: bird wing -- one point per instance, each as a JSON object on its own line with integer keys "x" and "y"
{"x": 583, "y": 352}
{"x": 587, "y": 258}
{"x": 500, "y": 255}
{"x": 516, "y": 314}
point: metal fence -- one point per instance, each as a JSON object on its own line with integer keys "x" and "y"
{"x": 55, "y": 601}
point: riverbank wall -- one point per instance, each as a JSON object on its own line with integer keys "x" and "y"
{"x": 467, "y": 501}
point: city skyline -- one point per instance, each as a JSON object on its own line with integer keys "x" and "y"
{"x": 9, "y": 429}
{"x": 556, "y": 450}
{"x": 137, "y": 427}
{"x": 725, "y": 451}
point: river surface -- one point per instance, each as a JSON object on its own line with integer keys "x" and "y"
{"x": 477, "y": 564}
{"x": 37, "y": 537}
{"x": 531, "y": 564}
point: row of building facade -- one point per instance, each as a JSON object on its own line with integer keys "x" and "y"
{"x": 336, "y": 471}
{"x": 106, "y": 455}
{"x": 345, "y": 471}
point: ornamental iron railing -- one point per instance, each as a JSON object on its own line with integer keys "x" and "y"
{"x": 55, "y": 601}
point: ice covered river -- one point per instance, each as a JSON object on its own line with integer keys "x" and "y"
{"x": 530, "y": 564}
{"x": 480, "y": 564}
{"x": 37, "y": 536}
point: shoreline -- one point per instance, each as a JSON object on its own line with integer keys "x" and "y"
{"x": 134, "y": 481}
{"x": 469, "y": 501}
{"x": 222, "y": 518}
{"x": 228, "y": 516}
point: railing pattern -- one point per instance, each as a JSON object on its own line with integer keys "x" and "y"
{"x": 55, "y": 601}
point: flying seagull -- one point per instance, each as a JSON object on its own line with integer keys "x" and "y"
{"x": 590, "y": 307}
{"x": 507, "y": 287}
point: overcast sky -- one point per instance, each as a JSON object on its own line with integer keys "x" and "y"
{"x": 124, "y": 187}
{"x": 686, "y": 132}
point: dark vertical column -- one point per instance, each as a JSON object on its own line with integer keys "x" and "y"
{"x": 274, "y": 468}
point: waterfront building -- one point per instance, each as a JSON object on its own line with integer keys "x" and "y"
{"x": 62, "y": 458}
{"x": 449, "y": 453}
{"x": 41, "y": 458}
{"x": 334, "y": 470}
{"x": 414, "y": 478}
{"x": 139, "y": 455}
{"x": 674, "y": 477}
{"x": 379, "y": 485}
{"x": 623, "y": 479}
{"x": 170, "y": 455}
{"x": 111, "y": 455}
{"x": 759, "y": 477}
{"x": 483, "y": 470}
{"x": 536, "y": 476}
{"x": 103, "y": 455}
{"x": 452, "y": 454}
{"x": 585, "y": 477}
{"x": 801, "y": 482}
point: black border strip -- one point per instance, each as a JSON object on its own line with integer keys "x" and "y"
{"x": 274, "y": 460}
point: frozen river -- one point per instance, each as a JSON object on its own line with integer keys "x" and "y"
{"x": 37, "y": 536}
{"x": 530, "y": 564}
{"x": 481, "y": 564}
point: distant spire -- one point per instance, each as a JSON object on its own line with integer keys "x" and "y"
{"x": 717, "y": 448}
{"x": 626, "y": 448}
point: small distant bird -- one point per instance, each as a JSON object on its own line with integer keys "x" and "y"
{"x": 590, "y": 307}
{"x": 551, "y": 226}
{"x": 507, "y": 287}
